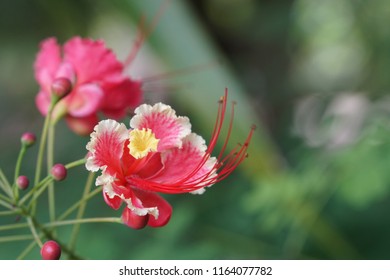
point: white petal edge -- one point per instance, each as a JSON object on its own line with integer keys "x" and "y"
{"x": 145, "y": 110}
{"x": 106, "y": 181}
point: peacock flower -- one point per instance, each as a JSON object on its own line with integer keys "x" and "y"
{"x": 158, "y": 154}
{"x": 98, "y": 82}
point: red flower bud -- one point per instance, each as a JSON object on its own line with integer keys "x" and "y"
{"x": 59, "y": 172}
{"x": 28, "y": 139}
{"x": 61, "y": 87}
{"x": 51, "y": 250}
{"x": 22, "y": 182}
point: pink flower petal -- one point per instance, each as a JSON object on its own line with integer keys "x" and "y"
{"x": 114, "y": 202}
{"x": 113, "y": 191}
{"x": 92, "y": 60}
{"x": 151, "y": 200}
{"x": 42, "y": 100}
{"x": 120, "y": 96}
{"x": 84, "y": 100}
{"x": 47, "y": 63}
{"x": 164, "y": 123}
{"x": 106, "y": 147}
{"x": 187, "y": 165}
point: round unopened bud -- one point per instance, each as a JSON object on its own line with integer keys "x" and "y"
{"x": 28, "y": 139}
{"x": 59, "y": 172}
{"x": 22, "y": 182}
{"x": 51, "y": 250}
{"x": 61, "y": 87}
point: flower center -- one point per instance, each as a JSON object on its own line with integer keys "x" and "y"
{"x": 142, "y": 141}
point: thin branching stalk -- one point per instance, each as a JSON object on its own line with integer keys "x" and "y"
{"x": 34, "y": 231}
{"x": 13, "y": 226}
{"x": 13, "y": 238}
{"x": 26, "y": 251}
{"x": 9, "y": 213}
{"x": 6, "y": 205}
{"x": 50, "y": 163}
{"x": 17, "y": 171}
{"x": 36, "y": 190}
{"x": 75, "y": 163}
{"x": 5, "y": 185}
{"x": 83, "y": 221}
{"x": 80, "y": 213}
{"x": 77, "y": 204}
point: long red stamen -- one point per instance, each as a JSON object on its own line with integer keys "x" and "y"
{"x": 213, "y": 141}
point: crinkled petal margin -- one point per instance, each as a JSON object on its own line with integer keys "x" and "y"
{"x": 162, "y": 120}
{"x": 106, "y": 147}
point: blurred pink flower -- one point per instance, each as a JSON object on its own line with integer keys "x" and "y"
{"x": 98, "y": 82}
{"x": 158, "y": 154}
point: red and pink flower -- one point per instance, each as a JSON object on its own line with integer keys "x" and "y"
{"x": 98, "y": 82}
{"x": 158, "y": 154}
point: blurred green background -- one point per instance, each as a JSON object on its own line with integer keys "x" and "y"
{"x": 312, "y": 75}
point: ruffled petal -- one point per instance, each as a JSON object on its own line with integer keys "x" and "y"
{"x": 114, "y": 191}
{"x": 85, "y": 100}
{"x": 114, "y": 202}
{"x": 106, "y": 147}
{"x": 139, "y": 203}
{"x": 47, "y": 63}
{"x": 152, "y": 200}
{"x": 188, "y": 165}
{"x": 164, "y": 123}
{"x": 92, "y": 60}
{"x": 147, "y": 203}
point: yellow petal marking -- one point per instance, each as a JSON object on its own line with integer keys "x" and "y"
{"x": 142, "y": 141}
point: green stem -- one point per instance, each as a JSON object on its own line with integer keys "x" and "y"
{"x": 42, "y": 148}
{"x": 36, "y": 191}
{"x": 13, "y": 226}
{"x": 41, "y": 151}
{"x": 5, "y": 185}
{"x": 12, "y": 238}
{"x": 34, "y": 231}
{"x": 9, "y": 213}
{"x": 75, "y": 163}
{"x": 77, "y": 204}
{"x": 80, "y": 213}
{"x": 17, "y": 171}
{"x": 25, "y": 252}
{"x": 50, "y": 163}
{"x": 19, "y": 162}
{"x": 6, "y": 205}
{"x": 5, "y": 199}
{"x": 83, "y": 221}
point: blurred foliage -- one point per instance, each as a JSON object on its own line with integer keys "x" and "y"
{"x": 313, "y": 77}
